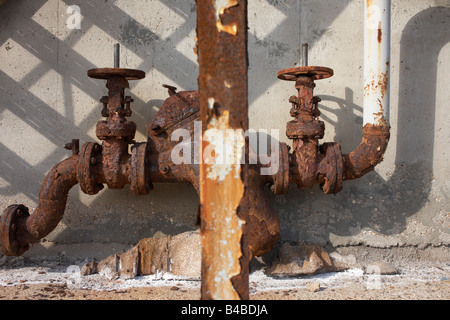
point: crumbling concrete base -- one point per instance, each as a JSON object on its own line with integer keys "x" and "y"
{"x": 178, "y": 255}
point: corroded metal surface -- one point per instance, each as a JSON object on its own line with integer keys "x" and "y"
{"x": 305, "y": 130}
{"x": 19, "y": 229}
{"x": 369, "y": 152}
{"x": 90, "y": 155}
{"x": 178, "y": 106}
{"x": 116, "y": 131}
{"x": 108, "y": 73}
{"x": 222, "y": 56}
{"x": 139, "y": 177}
{"x": 11, "y": 219}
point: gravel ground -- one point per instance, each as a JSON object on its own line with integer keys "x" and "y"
{"x": 28, "y": 279}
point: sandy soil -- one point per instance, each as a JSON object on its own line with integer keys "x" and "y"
{"x": 22, "y": 279}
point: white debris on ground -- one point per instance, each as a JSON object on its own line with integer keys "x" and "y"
{"x": 17, "y": 272}
{"x": 407, "y": 275}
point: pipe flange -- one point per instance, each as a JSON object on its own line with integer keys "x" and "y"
{"x": 106, "y": 130}
{"x": 87, "y": 163}
{"x": 139, "y": 170}
{"x": 334, "y": 168}
{"x": 12, "y": 217}
{"x": 281, "y": 178}
{"x": 314, "y": 129}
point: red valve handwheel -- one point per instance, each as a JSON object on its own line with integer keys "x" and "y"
{"x": 107, "y": 73}
{"x": 317, "y": 73}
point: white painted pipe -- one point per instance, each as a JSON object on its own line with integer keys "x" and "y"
{"x": 377, "y": 46}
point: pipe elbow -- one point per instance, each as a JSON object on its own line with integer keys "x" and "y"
{"x": 19, "y": 229}
{"x": 369, "y": 153}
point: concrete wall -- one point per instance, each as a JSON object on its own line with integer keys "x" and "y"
{"x": 47, "y": 99}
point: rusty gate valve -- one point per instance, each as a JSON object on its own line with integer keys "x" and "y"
{"x": 313, "y": 163}
{"x": 305, "y": 109}
{"x": 117, "y": 133}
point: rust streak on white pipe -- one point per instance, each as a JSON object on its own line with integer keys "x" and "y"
{"x": 377, "y": 29}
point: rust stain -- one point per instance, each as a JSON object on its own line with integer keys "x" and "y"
{"x": 379, "y": 82}
{"x": 380, "y": 33}
{"x": 19, "y": 229}
{"x": 384, "y": 82}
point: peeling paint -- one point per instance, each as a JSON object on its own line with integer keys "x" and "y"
{"x": 225, "y": 146}
{"x": 220, "y": 7}
{"x": 223, "y": 231}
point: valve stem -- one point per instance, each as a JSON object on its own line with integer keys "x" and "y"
{"x": 304, "y": 54}
{"x": 117, "y": 55}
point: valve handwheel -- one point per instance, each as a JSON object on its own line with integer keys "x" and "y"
{"x": 107, "y": 73}
{"x": 317, "y": 73}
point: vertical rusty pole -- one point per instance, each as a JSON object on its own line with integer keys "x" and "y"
{"x": 222, "y": 56}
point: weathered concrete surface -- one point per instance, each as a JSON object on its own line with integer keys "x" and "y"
{"x": 47, "y": 99}
{"x": 307, "y": 259}
{"x": 178, "y": 255}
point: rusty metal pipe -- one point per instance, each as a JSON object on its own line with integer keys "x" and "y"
{"x": 375, "y": 134}
{"x": 377, "y": 41}
{"x": 222, "y": 57}
{"x": 368, "y": 154}
{"x": 19, "y": 229}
